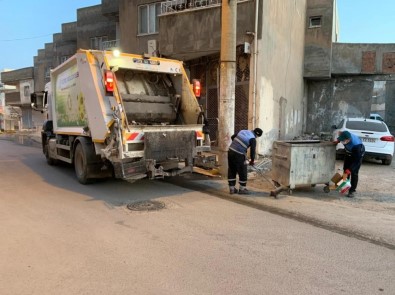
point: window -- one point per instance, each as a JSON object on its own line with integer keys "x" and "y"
{"x": 97, "y": 42}
{"x": 367, "y": 126}
{"x": 47, "y": 72}
{"x": 315, "y": 21}
{"x": 148, "y": 18}
{"x": 26, "y": 90}
{"x": 64, "y": 58}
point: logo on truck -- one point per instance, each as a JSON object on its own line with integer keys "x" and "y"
{"x": 69, "y": 100}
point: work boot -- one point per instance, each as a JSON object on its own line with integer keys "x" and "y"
{"x": 233, "y": 190}
{"x": 351, "y": 194}
{"x": 244, "y": 192}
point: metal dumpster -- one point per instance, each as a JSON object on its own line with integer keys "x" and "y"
{"x": 302, "y": 162}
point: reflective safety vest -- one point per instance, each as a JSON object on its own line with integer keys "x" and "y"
{"x": 241, "y": 142}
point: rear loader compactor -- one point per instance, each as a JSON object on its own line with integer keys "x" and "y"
{"x": 125, "y": 116}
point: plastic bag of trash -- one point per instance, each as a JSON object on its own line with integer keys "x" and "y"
{"x": 343, "y": 186}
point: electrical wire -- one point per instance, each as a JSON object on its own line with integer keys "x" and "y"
{"x": 28, "y": 38}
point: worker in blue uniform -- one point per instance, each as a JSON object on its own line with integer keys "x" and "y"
{"x": 355, "y": 151}
{"x": 237, "y": 158}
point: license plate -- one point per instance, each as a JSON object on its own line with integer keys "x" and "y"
{"x": 365, "y": 139}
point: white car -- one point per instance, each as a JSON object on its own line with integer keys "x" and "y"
{"x": 378, "y": 141}
{"x": 376, "y": 117}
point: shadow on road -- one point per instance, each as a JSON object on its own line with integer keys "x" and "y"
{"x": 113, "y": 192}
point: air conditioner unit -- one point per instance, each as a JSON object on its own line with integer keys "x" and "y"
{"x": 152, "y": 47}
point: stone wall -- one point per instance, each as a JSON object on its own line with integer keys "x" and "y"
{"x": 364, "y": 59}
{"x": 331, "y": 100}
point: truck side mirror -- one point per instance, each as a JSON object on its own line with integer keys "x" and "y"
{"x": 45, "y": 100}
{"x": 38, "y": 101}
{"x": 33, "y": 100}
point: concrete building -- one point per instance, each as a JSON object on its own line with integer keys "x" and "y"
{"x": 5, "y": 112}
{"x": 292, "y": 74}
{"x": 91, "y": 30}
{"x": 300, "y": 79}
{"x": 2, "y": 104}
{"x": 43, "y": 63}
{"x": 94, "y": 29}
{"x": 341, "y": 77}
{"x": 18, "y": 113}
{"x": 270, "y": 89}
{"x": 64, "y": 45}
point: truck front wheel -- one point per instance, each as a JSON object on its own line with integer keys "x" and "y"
{"x": 50, "y": 161}
{"x": 80, "y": 164}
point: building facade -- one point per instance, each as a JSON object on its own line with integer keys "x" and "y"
{"x": 292, "y": 74}
{"x": 270, "y": 89}
{"x": 342, "y": 77}
{"x": 18, "y": 114}
{"x": 91, "y": 30}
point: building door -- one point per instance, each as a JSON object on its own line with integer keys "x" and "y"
{"x": 207, "y": 71}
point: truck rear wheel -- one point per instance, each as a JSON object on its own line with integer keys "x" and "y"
{"x": 81, "y": 164}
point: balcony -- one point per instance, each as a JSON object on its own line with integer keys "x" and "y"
{"x": 110, "y": 45}
{"x": 7, "y": 88}
{"x": 173, "y": 6}
{"x": 195, "y": 31}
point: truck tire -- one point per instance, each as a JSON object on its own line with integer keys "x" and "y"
{"x": 386, "y": 161}
{"x": 81, "y": 164}
{"x": 50, "y": 161}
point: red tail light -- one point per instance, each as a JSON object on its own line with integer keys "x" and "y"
{"x": 196, "y": 87}
{"x": 109, "y": 81}
{"x": 199, "y": 135}
{"x": 387, "y": 138}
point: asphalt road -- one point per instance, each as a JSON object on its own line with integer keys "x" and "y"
{"x": 60, "y": 237}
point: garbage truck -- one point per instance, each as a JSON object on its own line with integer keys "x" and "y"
{"x": 125, "y": 116}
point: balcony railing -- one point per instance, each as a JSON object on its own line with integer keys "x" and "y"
{"x": 109, "y": 45}
{"x": 172, "y": 6}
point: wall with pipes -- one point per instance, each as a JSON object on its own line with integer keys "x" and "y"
{"x": 280, "y": 97}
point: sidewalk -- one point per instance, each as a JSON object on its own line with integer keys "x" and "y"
{"x": 31, "y": 138}
{"x": 34, "y": 135}
{"x": 368, "y": 216}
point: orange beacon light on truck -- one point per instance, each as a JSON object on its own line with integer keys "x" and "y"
{"x": 196, "y": 87}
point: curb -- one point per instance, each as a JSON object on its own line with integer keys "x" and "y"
{"x": 347, "y": 220}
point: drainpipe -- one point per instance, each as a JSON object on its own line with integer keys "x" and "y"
{"x": 254, "y": 91}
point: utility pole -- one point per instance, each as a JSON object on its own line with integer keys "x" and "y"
{"x": 227, "y": 81}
